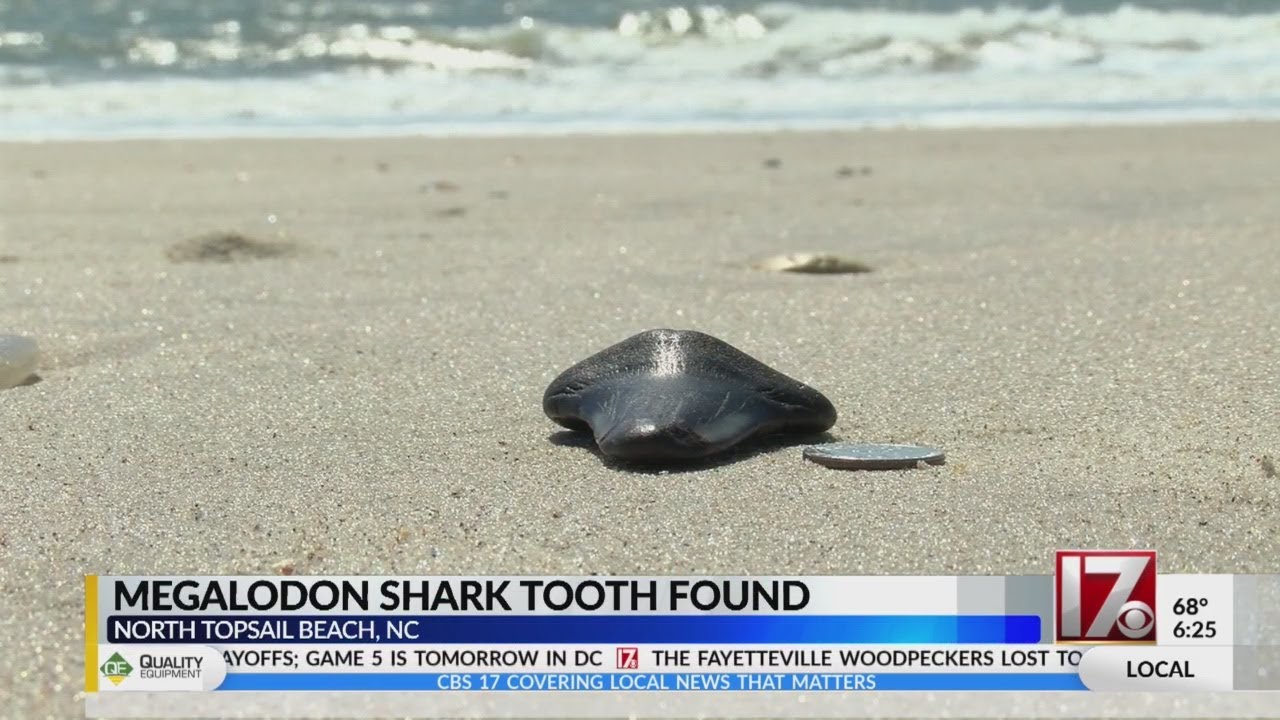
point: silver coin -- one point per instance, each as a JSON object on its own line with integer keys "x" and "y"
{"x": 869, "y": 456}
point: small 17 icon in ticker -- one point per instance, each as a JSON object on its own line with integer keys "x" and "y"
{"x": 628, "y": 658}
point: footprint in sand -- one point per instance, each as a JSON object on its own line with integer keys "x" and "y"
{"x": 227, "y": 247}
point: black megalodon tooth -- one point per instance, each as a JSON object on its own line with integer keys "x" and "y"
{"x": 672, "y": 395}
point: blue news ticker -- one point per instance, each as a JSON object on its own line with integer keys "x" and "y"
{"x": 597, "y": 629}
{"x": 657, "y": 682}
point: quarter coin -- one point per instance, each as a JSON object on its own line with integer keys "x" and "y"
{"x": 871, "y": 456}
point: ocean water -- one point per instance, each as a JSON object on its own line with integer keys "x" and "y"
{"x": 117, "y": 68}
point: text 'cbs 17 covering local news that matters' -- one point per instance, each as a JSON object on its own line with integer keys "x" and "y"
{"x": 1105, "y": 620}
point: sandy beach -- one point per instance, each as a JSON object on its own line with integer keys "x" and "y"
{"x": 1084, "y": 319}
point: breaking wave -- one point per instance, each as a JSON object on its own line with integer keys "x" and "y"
{"x": 342, "y": 63}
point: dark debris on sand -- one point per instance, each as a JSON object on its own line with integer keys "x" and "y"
{"x": 228, "y": 247}
{"x": 850, "y": 171}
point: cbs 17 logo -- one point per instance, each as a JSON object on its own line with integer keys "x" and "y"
{"x": 1105, "y": 596}
{"x": 628, "y": 658}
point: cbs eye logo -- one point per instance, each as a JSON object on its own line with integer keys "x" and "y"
{"x": 1136, "y": 620}
{"x": 1105, "y": 596}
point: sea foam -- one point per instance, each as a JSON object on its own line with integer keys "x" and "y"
{"x": 347, "y": 72}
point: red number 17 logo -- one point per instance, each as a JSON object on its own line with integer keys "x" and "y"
{"x": 1105, "y": 596}
{"x": 628, "y": 658}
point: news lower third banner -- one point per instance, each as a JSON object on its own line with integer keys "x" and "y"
{"x": 1093, "y": 625}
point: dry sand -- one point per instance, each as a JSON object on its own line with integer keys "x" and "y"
{"x": 1086, "y": 320}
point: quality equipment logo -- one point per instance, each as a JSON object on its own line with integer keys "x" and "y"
{"x": 116, "y": 668}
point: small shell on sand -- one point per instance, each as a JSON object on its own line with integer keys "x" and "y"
{"x": 814, "y": 263}
{"x": 18, "y": 357}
